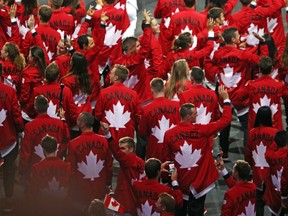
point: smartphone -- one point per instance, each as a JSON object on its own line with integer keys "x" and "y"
{"x": 171, "y": 167}
{"x": 219, "y": 156}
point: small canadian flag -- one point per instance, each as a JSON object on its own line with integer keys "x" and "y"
{"x": 113, "y": 204}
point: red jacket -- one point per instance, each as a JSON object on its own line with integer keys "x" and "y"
{"x": 131, "y": 169}
{"x": 192, "y": 140}
{"x": 259, "y": 140}
{"x": 91, "y": 160}
{"x": 118, "y": 106}
{"x": 157, "y": 117}
{"x": 63, "y": 62}
{"x": 79, "y": 12}
{"x": 10, "y": 114}
{"x": 240, "y": 199}
{"x": 31, "y": 150}
{"x": 62, "y": 21}
{"x": 147, "y": 192}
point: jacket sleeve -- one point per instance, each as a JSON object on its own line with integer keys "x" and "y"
{"x": 26, "y": 151}
{"x": 248, "y": 150}
{"x": 16, "y": 112}
{"x": 177, "y": 194}
{"x": 99, "y": 108}
{"x": 108, "y": 164}
{"x": 203, "y": 52}
{"x": 15, "y": 37}
{"x": 158, "y": 10}
{"x": 229, "y": 6}
{"x": 62, "y": 150}
{"x": 227, "y": 207}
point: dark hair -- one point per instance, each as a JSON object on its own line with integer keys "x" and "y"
{"x": 74, "y": 4}
{"x": 87, "y": 119}
{"x": 189, "y": 3}
{"x": 109, "y": 1}
{"x": 39, "y": 57}
{"x": 45, "y": 12}
{"x": 182, "y": 42}
{"x": 245, "y": 2}
{"x": 49, "y": 144}
{"x": 51, "y": 72}
{"x": 127, "y": 43}
{"x": 29, "y": 5}
{"x": 41, "y": 104}
{"x": 216, "y": 3}
{"x": 284, "y": 59}
{"x": 157, "y": 84}
{"x": 265, "y": 65}
{"x": 272, "y": 49}
{"x": 263, "y": 117}
{"x": 96, "y": 207}
{"x": 0, "y": 69}
{"x": 281, "y": 138}
{"x": 152, "y": 168}
{"x": 197, "y": 74}
{"x": 214, "y": 13}
{"x": 185, "y": 110}
{"x": 121, "y": 72}
{"x": 130, "y": 141}
{"x": 168, "y": 201}
{"x": 244, "y": 170}
{"x": 83, "y": 40}
{"x": 79, "y": 68}
{"x": 228, "y": 34}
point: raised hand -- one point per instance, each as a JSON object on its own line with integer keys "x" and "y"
{"x": 104, "y": 17}
{"x": 12, "y": 11}
{"x": 147, "y": 16}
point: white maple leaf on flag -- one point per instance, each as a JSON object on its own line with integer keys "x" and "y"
{"x": 249, "y": 210}
{"x": 271, "y": 24}
{"x": 38, "y": 150}
{"x": 259, "y": 156}
{"x": 276, "y": 179}
{"x": 119, "y": 6}
{"x": 215, "y": 48}
{"x": 141, "y": 176}
{"x": 187, "y": 29}
{"x": 265, "y": 101}
{"x": 131, "y": 81}
{"x": 250, "y": 38}
{"x": 112, "y": 35}
{"x": 164, "y": 125}
{"x": 202, "y": 117}
{"x": 80, "y": 98}
{"x": 167, "y": 20}
{"x": 52, "y": 110}
{"x": 9, "y": 82}
{"x": 54, "y": 188}
{"x": 91, "y": 168}
{"x": 117, "y": 118}
{"x": 3, "y": 115}
{"x": 229, "y": 78}
{"x": 9, "y": 31}
{"x": 146, "y": 210}
{"x": 188, "y": 158}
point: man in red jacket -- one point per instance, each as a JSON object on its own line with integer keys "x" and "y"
{"x": 11, "y": 123}
{"x": 157, "y": 117}
{"x": 165, "y": 205}
{"x": 91, "y": 160}
{"x": 187, "y": 145}
{"x": 131, "y": 169}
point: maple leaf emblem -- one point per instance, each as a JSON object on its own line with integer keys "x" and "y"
{"x": 51, "y": 111}
{"x": 3, "y": 115}
{"x": 259, "y": 156}
{"x": 131, "y": 81}
{"x": 9, "y": 31}
{"x": 54, "y": 188}
{"x": 91, "y": 168}
{"x": 159, "y": 132}
{"x": 119, "y": 6}
{"x": 146, "y": 210}
{"x": 249, "y": 209}
{"x": 62, "y": 34}
{"x": 202, "y": 117}
{"x": 80, "y": 98}
{"x": 265, "y": 101}
{"x": 276, "y": 179}
{"x": 215, "y": 48}
{"x": 117, "y": 118}
{"x": 141, "y": 176}
{"x": 168, "y": 19}
{"x": 49, "y": 53}
{"x": 250, "y": 38}
{"x": 229, "y": 78}
{"x": 112, "y": 35}
{"x": 188, "y": 158}
{"x": 9, "y": 82}
{"x": 187, "y": 29}
{"x": 271, "y": 24}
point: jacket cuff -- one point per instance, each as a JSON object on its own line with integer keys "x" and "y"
{"x": 146, "y": 25}
{"x": 211, "y": 35}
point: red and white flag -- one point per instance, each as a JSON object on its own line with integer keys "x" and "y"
{"x": 113, "y": 204}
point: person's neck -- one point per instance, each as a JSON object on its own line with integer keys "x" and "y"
{"x": 158, "y": 95}
{"x": 50, "y": 155}
{"x": 232, "y": 44}
{"x": 86, "y": 130}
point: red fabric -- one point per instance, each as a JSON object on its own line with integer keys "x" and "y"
{"x": 121, "y": 96}
{"x": 63, "y": 62}
{"x": 147, "y": 192}
{"x": 258, "y": 135}
{"x": 12, "y": 121}
{"x": 87, "y": 188}
{"x": 34, "y": 131}
{"x": 131, "y": 169}
{"x": 186, "y": 137}
{"x": 256, "y": 90}
{"x": 24, "y": 17}
{"x": 79, "y": 12}
{"x": 151, "y": 125}
{"x": 62, "y": 21}
{"x": 284, "y": 180}
{"x": 238, "y": 198}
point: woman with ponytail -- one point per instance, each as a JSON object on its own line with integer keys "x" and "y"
{"x": 13, "y": 63}
{"x": 32, "y": 74}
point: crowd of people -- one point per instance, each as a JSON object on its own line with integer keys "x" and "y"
{"x": 79, "y": 90}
